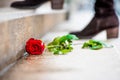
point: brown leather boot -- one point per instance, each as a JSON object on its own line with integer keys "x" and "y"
{"x": 57, "y": 4}
{"x": 28, "y": 4}
{"x": 104, "y": 19}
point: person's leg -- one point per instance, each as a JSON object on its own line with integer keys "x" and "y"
{"x": 104, "y": 19}
{"x": 28, "y": 4}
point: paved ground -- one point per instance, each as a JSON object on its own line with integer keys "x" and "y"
{"x": 80, "y": 64}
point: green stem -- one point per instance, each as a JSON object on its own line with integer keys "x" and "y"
{"x": 52, "y": 46}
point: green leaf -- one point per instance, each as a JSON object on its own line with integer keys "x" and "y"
{"x": 85, "y": 45}
{"x": 57, "y": 52}
{"x": 72, "y": 37}
{"x": 62, "y": 45}
{"x": 93, "y": 44}
{"x": 97, "y": 47}
{"x": 56, "y": 41}
{"x": 65, "y": 51}
{"x": 68, "y": 37}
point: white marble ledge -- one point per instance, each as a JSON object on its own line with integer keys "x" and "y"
{"x": 12, "y": 13}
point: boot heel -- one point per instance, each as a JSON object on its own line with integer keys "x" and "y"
{"x": 57, "y": 4}
{"x": 112, "y": 32}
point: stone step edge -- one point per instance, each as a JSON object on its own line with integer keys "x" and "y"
{"x": 16, "y": 32}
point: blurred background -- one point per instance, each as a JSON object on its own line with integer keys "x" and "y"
{"x": 74, "y": 5}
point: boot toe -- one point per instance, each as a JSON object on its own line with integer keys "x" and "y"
{"x": 16, "y": 4}
{"x": 76, "y": 33}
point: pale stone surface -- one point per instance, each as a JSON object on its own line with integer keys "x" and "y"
{"x": 14, "y": 34}
{"x": 8, "y": 13}
{"x": 80, "y": 64}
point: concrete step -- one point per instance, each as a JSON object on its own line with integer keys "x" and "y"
{"x": 80, "y": 64}
{"x": 17, "y": 26}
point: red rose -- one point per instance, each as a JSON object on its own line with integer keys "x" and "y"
{"x": 34, "y": 47}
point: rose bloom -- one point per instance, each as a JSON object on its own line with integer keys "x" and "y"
{"x": 34, "y": 46}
